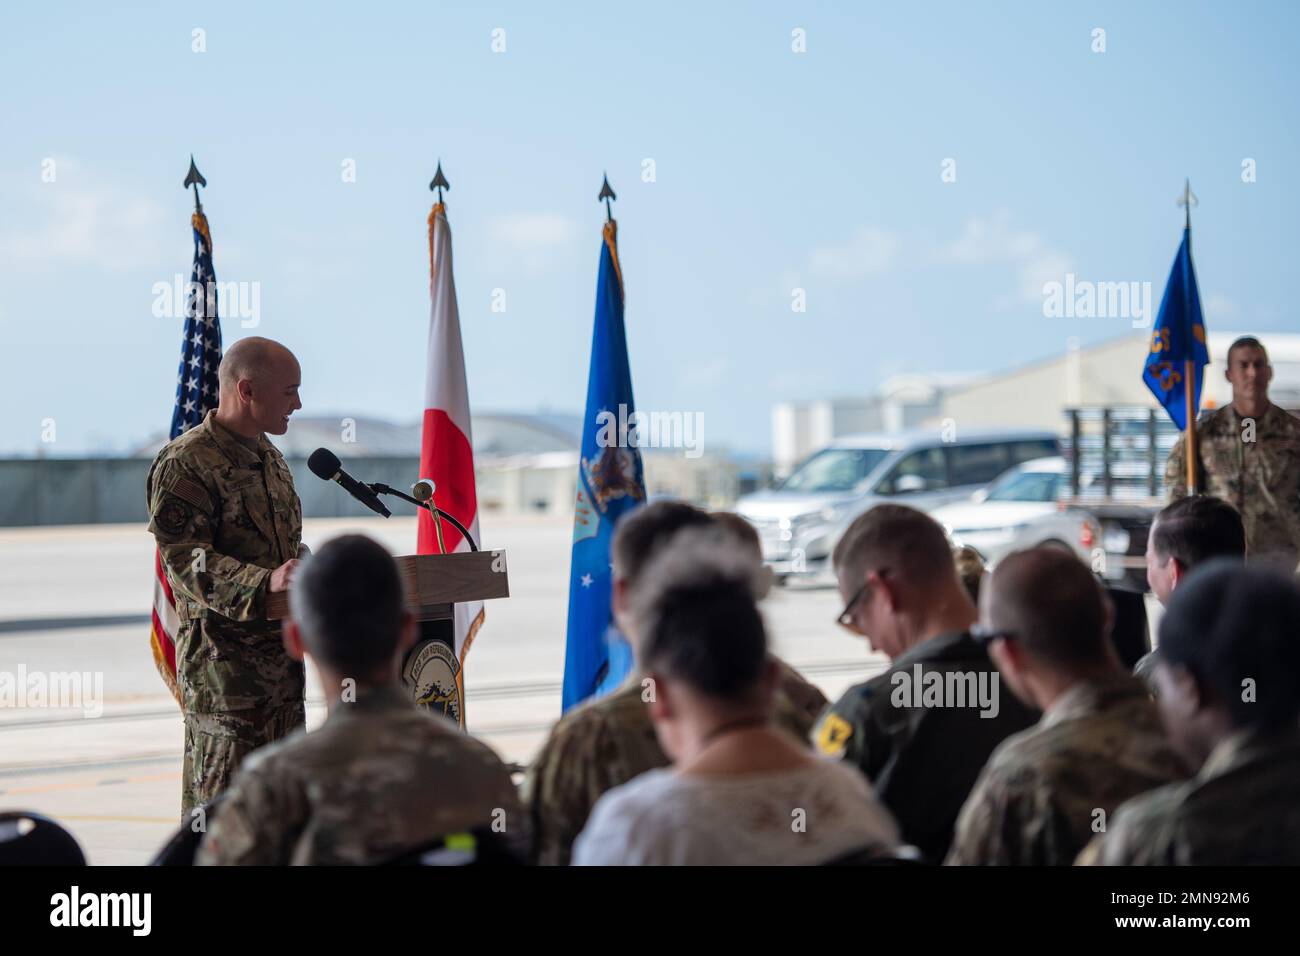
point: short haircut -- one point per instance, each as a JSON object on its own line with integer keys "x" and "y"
{"x": 249, "y": 358}
{"x": 741, "y": 530}
{"x": 1197, "y": 528}
{"x": 1053, "y": 605}
{"x": 1246, "y": 342}
{"x": 638, "y": 535}
{"x": 348, "y": 600}
{"x": 696, "y": 617}
{"x": 900, "y": 539}
{"x": 1230, "y": 623}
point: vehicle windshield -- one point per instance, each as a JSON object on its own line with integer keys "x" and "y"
{"x": 834, "y": 469}
{"x": 1026, "y": 486}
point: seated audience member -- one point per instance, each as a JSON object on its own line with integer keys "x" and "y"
{"x": 1045, "y": 790}
{"x": 1186, "y": 533}
{"x": 607, "y": 741}
{"x": 742, "y": 790}
{"x": 381, "y": 777}
{"x": 806, "y": 699}
{"x": 1228, "y": 669}
{"x": 922, "y": 731}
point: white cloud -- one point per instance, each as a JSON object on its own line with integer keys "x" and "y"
{"x": 533, "y": 230}
{"x": 76, "y": 222}
{"x": 536, "y": 241}
{"x": 996, "y": 240}
{"x": 993, "y": 241}
{"x": 869, "y": 251}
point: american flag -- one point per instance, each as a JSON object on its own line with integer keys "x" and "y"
{"x": 196, "y": 394}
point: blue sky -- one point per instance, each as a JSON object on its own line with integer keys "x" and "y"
{"x": 773, "y": 170}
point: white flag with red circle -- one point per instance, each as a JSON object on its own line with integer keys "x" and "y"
{"x": 446, "y": 450}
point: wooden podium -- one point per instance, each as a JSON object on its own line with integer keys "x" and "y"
{"x": 435, "y": 583}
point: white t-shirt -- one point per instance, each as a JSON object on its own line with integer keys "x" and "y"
{"x": 807, "y": 816}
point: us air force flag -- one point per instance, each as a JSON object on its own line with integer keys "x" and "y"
{"x": 610, "y": 484}
{"x": 1178, "y": 336}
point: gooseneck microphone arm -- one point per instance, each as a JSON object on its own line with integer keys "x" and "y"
{"x": 380, "y": 488}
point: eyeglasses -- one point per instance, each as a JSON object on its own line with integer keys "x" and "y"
{"x": 984, "y": 636}
{"x": 845, "y": 620}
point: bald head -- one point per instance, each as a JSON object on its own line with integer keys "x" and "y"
{"x": 1052, "y": 606}
{"x": 252, "y": 359}
{"x": 259, "y": 381}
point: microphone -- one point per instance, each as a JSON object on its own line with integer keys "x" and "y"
{"x": 422, "y": 491}
{"x": 422, "y": 495}
{"x": 324, "y": 464}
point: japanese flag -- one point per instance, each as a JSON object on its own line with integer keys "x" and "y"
{"x": 446, "y": 454}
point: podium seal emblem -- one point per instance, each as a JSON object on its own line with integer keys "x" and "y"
{"x": 430, "y": 673}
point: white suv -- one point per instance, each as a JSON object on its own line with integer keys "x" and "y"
{"x": 801, "y": 520}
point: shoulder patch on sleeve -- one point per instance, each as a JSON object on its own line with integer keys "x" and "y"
{"x": 191, "y": 491}
{"x": 833, "y": 735}
{"x": 172, "y": 517}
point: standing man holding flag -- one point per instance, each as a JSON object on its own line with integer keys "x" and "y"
{"x": 435, "y": 669}
{"x": 228, "y": 525}
{"x": 1247, "y": 452}
{"x": 611, "y": 483}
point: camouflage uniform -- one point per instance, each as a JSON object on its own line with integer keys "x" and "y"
{"x": 231, "y": 500}
{"x": 379, "y": 779}
{"x": 922, "y": 761}
{"x": 1036, "y": 802}
{"x": 1260, "y": 478}
{"x": 604, "y": 743}
{"x": 798, "y": 702}
{"x": 1243, "y": 808}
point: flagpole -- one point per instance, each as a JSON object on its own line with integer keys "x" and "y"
{"x": 195, "y": 178}
{"x": 1189, "y": 371}
{"x": 438, "y": 184}
{"x": 606, "y": 194}
{"x": 165, "y": 625}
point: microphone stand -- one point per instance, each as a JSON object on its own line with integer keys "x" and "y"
{"x": 380, "y": 488}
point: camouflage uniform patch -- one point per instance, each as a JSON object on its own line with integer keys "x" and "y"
{"x": 172, "y": 517}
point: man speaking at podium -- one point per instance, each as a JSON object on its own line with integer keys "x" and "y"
{"x": 228, "y": 523}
